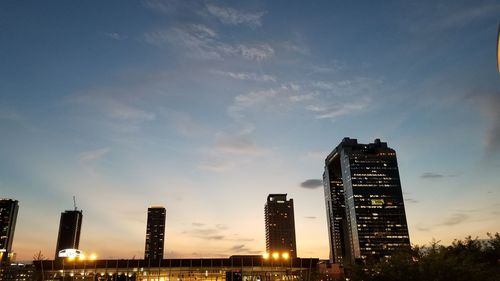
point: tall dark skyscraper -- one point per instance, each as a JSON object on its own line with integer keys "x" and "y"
{"x": 280, "y": 225}
{"x": 155, "y": 233}
{"x": 8, "y": 217}
{"x": 70, "y": 227}
{"x": 364, "y": 202}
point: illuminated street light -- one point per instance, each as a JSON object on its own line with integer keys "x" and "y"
{"x": 81, "y": 257}
{"x": 265, "y": 256}
{"x": 285, "y": 255}
{"x": 276, "y": 255}
{"x": 93, "y": 257}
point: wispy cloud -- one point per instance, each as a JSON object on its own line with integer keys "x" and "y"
{"x": 200, "y": 41}
{"x": 163, "y": 6}
{"x": 312, "y": 184}
{"x": 232, "y": 16}
{"x": 325, "y": 100}
{"x": 256, "y": 52}
{"x": 93, "y": 155}
{"x": 241, "y": 248}
{"x": 116, "y": 36}
{"x": 202, "y": 231}
{"x": 411, "y": 200}
{"x": 432, "y": 17}
{"x": 337, "y": 110}
{"x": 114, "y": 108}
{"x": 186, "y": 125}
{"x": 231, "y": 150}
{"x": 432, "y": 175}
{"x": 217, "y": 165}
{"x": 247, "y": 76}
{"x": 454, "y": 219}
{"x": 467, "y": 15}
{"x": 239, "y": 145}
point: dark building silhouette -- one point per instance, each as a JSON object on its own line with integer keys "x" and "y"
{"x": 8, "y": 217}
{"x": 155, "y": 233}
{"x": 364, "y": 202}
{"x": 280, "y": 225}
{"x": 70, "y": 227}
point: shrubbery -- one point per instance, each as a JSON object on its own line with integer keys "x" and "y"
{"x": 464, "y": 260}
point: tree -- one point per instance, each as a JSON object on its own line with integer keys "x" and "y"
{"x": 39, "y": 256}
{"x": 464, "y": 260}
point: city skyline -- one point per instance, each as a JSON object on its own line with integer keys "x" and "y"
{"x": 207, "y": 107}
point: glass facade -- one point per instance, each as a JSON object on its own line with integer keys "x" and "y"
{"x": 280, "y": 226}
{"x": 244, "y": 268}
{"x": 364, "y": 200}
{"x": 155, "y": 233}
{"x": 8, "y": 217}
{"x": 70, "y": 227}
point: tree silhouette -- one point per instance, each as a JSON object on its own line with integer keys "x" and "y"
{"x": 39, "y": 256}
{"x": 470, "y": 259}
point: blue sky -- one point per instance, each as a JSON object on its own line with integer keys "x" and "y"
{"x": 206, "y": 107}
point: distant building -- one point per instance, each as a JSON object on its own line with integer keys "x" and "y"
{"x": 70, "y": 227}
{"x": 280, "y": 226}
{"x": 233, "y": 268}
{"x": 8, "y": 217}
{"x": 18, "y": 272}
{"x": 155, "y": 233}
{"x": 364, "y": 202}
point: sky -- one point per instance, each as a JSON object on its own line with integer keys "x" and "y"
{"x": 206, "y": 107}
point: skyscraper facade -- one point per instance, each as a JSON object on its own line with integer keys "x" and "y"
{"x": 280, "y": 226}
{"x": 364, "y": 202}
{"x": 8, "y": 217}
{"x": 70, "y": 227}
{"x": 155, "y": 233}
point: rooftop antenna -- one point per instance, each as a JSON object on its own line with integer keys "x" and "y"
{"x": 74, "y": 203}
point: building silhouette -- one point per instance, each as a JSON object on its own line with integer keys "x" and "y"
{"x": 8, "y": 217}
{"x": 280, "y": 226}
{"x": 364, "y": 202}
{"x": 70, "y": 227}
{"x": 155, "y": 233}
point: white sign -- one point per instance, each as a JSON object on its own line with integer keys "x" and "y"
{"x": 70, "y": 253}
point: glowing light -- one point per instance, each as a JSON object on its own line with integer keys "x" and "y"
{"x": 71, "y": 258}
{"x": 81, "y": 257}
{"x": 265, "y": 256}
{"x": 92, "y": 257}
{"x": 276, "y": 255}
{"x": 285, "y": 255}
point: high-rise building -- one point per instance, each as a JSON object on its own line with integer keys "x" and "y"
{"x": 8, "y": 217}
{"x": 155, "y": 233}
{"x": 364, "y": 202}
{"x": 280, "y": 226}
{"x": 70, "y": 227}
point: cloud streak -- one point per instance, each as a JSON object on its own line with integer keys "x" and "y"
{"x": 116, "y": 36}
{"x": 432, "y": 175}
{"x": 323, "y": 99}
{"x": 312, "y": 184}
{"x": 93, "y": 155}
{"x": 200, "y": 41}
{"x": 247, "y": 76}
{"x": 232, "y": 16}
